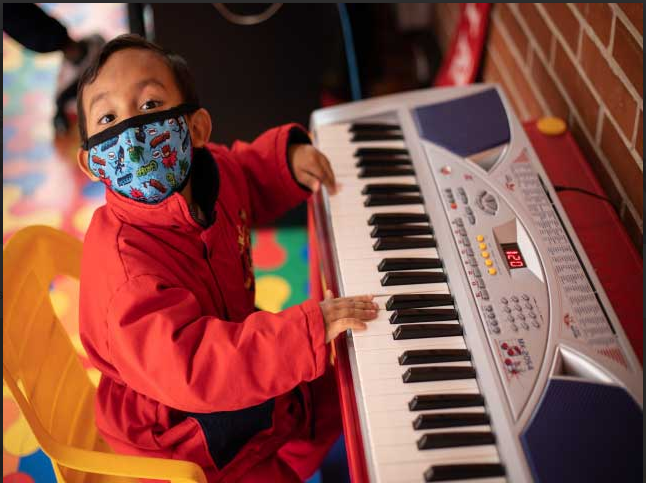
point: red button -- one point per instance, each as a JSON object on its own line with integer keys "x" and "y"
{"x": 508, "y": 362}
{"x": 505, "y": 346}
{"x": 454, "y": 206}
{"x": 510, "y": 352}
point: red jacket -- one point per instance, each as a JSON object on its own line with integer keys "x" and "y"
{"x": 167, "y": 314}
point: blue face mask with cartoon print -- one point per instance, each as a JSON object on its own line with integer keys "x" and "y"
{"x": 146, "y": 158}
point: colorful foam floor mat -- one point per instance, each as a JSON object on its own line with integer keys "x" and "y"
{"x": 42, "y": 185}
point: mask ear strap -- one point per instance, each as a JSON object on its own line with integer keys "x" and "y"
{"x": 140, "y": 120}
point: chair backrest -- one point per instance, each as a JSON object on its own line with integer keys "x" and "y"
{"x": 38, "y": 356}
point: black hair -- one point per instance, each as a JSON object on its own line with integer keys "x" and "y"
{"x": 176, "y": 63}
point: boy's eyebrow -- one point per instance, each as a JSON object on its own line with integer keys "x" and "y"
{"x": 139, "y": 87}
{"x": 150, "y": 80}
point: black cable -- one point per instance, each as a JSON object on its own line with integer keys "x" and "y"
{"x": 581, "y": 190}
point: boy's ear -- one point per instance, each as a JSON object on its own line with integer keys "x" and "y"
{"x": 82, "y": 160}
{"x": 200, "y": 127}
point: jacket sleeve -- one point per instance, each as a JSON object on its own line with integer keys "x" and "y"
{"x": 163, "y": 347}
{"x": 273, "y": 190}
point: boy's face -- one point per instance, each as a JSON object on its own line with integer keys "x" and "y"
{"x": 130, "y": 83}
{"x": 133, "y": 82}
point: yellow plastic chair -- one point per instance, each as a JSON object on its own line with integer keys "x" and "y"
{"x": 46, "y": 377}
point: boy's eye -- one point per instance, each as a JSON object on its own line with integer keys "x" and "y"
{"x": 108, "y": 118}
{"x": 150, "y": 105}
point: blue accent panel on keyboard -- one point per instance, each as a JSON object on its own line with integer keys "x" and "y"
{"x": 466, "y": 125}
{"x": 585, "y": 432}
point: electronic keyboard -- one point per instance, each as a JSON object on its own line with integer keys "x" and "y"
{"x": 496, "y": 355}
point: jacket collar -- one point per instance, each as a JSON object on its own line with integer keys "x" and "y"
{"x": 172, "y": 212}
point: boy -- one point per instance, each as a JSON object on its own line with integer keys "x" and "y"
{"x": 189, "y": 369}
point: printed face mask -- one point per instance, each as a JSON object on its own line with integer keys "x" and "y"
{"x": 146, "y": 158}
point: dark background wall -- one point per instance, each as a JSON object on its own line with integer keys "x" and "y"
{"x": 255, "y": 77}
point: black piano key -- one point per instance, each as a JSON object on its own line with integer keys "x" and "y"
{"x": 390, "y": 264}
{"x": 441, "y": 373}
{"x": 454, "y": 440}
{"x": 397, "y": 218}
{"x": 449, "y": 420}
{"x": 428, "y": 402}
{"x": 410, "y": 316}
{"x": 389, "y": 188}
{"x": 400, "y": 230}
{"x": 426, "y": 331}
{"x": 394, "y": 199}
{"x": 380, "y": 152}
{"x": 433, "y": 356}
{"x": 384, "y": 172}
{"x": 412, "y": 301}
{"x": 367, "y": 162}
{"x": 411, "y": 278}
{"x": 466, "y": 471}
{"x": 366, "y": 136}
{"x": 401, "y": 243}
{"x": 373, "y": 126}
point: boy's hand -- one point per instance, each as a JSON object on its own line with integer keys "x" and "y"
{"x": 311, "y": 167}
{"x": 346, "y": 313}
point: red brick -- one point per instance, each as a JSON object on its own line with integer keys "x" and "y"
{"x": 537, "y": 27}
{"x": 600, "y": 171}
{"x": 578, "y": 92}
{"x": 624, "y": 165}
{"x": 599, "y": 17}
{"x": 492, "y": 74}
{"x": 513, "y": 27}
{"x": 614, "y": 94}
{"x": 639, "y": 143}
{"x": 629, "y": 55}
{"x": 565, "y": 22}
{"x": 635, "y": 230}
{"x": 635, "y": 13}
{"x": 555, "y": 101}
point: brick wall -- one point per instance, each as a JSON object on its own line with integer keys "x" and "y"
{"x": 582, "y": 62}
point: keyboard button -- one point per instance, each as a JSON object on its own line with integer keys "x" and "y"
{"x": 382, "y": 172}
{"x": 449, "y": 420}
{"x": 364, "y": 136}
{"x": 394, "y": 218}
{"x": 383, "y": 199}
{"x": 365, "y": 151}
{"x": 402, "y": 243}
{"x": 422, "y": 356}
{"x": 412, "y": 301}
{"x": 376, "y": 188}
{"x": 409, "y": 316}
{"x": 444, "y": 401}
{"x": 390, "y": 264}
{"x": 411, "y": 278}
{"x": 463, "y": 472}
{"x": 453, "y": 440}
{"x": 442, "y": 373}
{"x": 373, "y": 126}
{"x": 422, "y": 331}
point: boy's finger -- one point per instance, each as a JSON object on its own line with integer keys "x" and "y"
{"x": 310, "y": 181}
{"x": 330, "y": 180}
{"x": 328, "y": 294}
{"x": 354, "y": 324}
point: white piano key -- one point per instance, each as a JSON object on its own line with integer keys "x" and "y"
{"x": 372, "y": 342}
{"x": 355, "y": 185}
{"x": 392, "y": 354}
{"x": 393, "y": 402}
{"x": 399, "y": 453}
{"x": 403, "y": 432}
{"x": 413, "y": 472}
{"x": 392, "y": 369}
{"x": 395, "y": 385}
{"x": 331, "y": 146}
{"x": 353, "y": 208}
